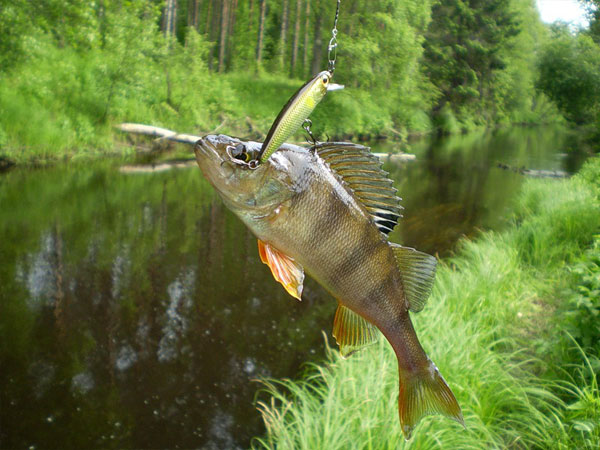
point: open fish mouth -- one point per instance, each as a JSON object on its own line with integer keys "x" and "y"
{"x": 206, "y": 147}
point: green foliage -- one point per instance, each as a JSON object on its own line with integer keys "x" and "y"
{"x": 559, "y": 222}
{"x": 593, "y": 10}
{"x": 72, "y": 70}
{"x": 491, "y": 304}
{"x": 481, "y": 58}
{"x": 570, "y": 75}
{"x": 582, "y": 418}
{"x": 582, "y": 308}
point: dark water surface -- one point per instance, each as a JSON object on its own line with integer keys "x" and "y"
{"x": 135, "y": 312}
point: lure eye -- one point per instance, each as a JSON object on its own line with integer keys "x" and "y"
{"x": 325, "y": 79}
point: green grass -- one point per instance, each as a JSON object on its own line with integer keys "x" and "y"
{"x": 65, "y": 105}
{"x": 492, "y": 328}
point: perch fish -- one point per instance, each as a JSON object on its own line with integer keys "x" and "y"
{"x": 327, "y": 211}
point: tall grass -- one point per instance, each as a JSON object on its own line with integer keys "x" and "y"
{"x": 487, "y": 328}
{"x": 64, "y": 104}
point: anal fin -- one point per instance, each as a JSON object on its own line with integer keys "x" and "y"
{"x": 351, "y": 331}
{"x": 284, "y": 268}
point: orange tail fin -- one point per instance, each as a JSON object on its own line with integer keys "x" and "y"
{"x": 425, "y": 392}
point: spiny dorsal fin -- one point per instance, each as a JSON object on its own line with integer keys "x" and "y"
{"x": 284, "y": 268}
{"x": 362, "y": 173}
{"x": 351, "y": 331}
{"x": 418, "y": 273}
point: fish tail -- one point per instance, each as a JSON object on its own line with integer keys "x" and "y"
{"x": 424, "y": 392}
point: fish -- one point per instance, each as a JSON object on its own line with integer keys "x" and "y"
{"x": 295, "y": 111}
{"x": 327, "y": 211}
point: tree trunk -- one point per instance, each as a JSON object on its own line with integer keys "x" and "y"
{"x": 190, "y": 13}
{"x": 193, "y": 14}
{"x": 284, "y": 19}
{"x": 231, "y": 34}
{"x": 317, "y": 43}
{"x": 170, "y": 17}
{"x": 212, "y": 30}
{"x": 166, "y": 17}
{"x": 296, "y": 38}
{"x": 174, "y": 18}
{"x": 223, "y": 39}
{"x": 250, "y": 14}
{"x": 197, "y": 8}
{"x": 261, "y": 31}
{"x": 209, "y": 12}
{"x": 306, "y": 25}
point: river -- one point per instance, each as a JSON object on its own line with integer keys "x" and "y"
{"x": 135, "y": 312}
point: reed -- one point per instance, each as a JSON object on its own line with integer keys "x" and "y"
{"x": 492, "y": 328}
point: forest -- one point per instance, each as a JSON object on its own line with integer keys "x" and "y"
{"x": 135, "y": 311}
{"x": 70, "y": 70}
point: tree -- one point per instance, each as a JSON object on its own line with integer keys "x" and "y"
{"x": 283, "y": 35}
{"x": 223, "y": 38}
{"x": 261, "y": 31}
{"x": 464, "y": 49}
{"x": 296, "y": 38}
{"x": 570, "y": 75}
{"x": 306, "y": 26}
{"x": 593, "y": 13}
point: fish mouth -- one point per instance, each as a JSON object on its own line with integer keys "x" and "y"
{"x": 206, "y": 147}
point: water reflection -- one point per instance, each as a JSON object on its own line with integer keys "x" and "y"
{"x": 135, "y": 311}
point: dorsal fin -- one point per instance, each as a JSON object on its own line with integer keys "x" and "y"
{"x": 418, "y": 273}
{"x": 361, "y": 171}
{"x": 351, "y": 331}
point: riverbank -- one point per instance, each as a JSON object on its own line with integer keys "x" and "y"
{"x": 39, "y": 129}
{"x": 508, "y": 325}
{"x": 60, "y": 104}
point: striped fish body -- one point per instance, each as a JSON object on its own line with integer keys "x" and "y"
{"x": 323, "y": 211}
{"x": 328, "y": 232}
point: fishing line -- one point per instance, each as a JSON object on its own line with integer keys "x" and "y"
{"x": 332, "y": 48}
{"x": 331, "y": 58}
{"x": 296, "y": 111}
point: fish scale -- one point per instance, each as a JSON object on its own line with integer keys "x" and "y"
{"x": 308, "y": 217}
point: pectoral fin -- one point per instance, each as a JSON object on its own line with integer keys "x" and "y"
{"x": 418, "y": 273}
{"x": 351, "y": 331}
{"x": 284, "y": 269}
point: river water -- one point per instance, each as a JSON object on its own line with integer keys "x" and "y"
{"x": 135, "y": 312}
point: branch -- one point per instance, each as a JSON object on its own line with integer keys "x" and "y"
{"x": 161, "y": 133}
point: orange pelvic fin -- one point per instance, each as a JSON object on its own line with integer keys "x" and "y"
{"x": 351, "y": 331}
{"x": 284, "y": 269}
{"x": 425, "y": 392}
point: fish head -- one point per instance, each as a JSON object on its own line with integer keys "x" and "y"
{"x": 232, "y": 167}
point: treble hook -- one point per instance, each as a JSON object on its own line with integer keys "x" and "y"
{"x": 306, "y": 125}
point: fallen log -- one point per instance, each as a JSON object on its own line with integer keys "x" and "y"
{"x": 170, "y": 135}
{"x": 533, "y": 172}
{"x": 157, "y": 132}
{"x": 157, "y": 167}
{"x": 396, "y": 157}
